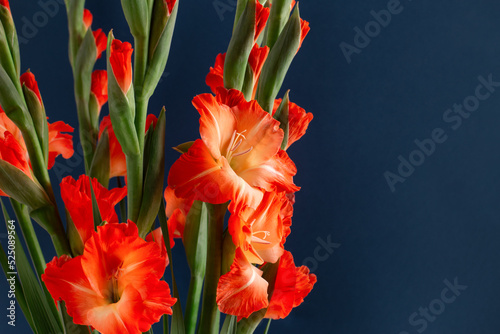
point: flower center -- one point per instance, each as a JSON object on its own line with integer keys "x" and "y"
{"x": 235, "y": 142}
{"x": 262, "y": 239}
{"x": 115, "y": 294}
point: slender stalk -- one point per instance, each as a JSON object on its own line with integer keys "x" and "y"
{"x": 193, "y": 303}
{"x": 267, "y": 327}
{"x": 210, "y": 315}
{"x": 134, "y": 185}
{"x": 141, "y": 101}
{"x": 248, "y": 325}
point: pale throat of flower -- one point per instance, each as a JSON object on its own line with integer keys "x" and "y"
{"x": 115, "y": 295}
{"x": 259, "y": 237}
{"x": 236, "y": 140}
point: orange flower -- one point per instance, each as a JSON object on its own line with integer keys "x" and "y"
{"x": 101, "y": 42}
{"x": 5, "y": 3}
{"x": 242, "y": 290}
{"x": 292, "y": 285}
{"x": 261, "y": 16}
{"x": 14, "y": 151}
{"x": 87, "y": 18}
{"x": 177, "y": 210}
{"x": 117, "y": 161}
{"x": 170, "y": 5}
{"x": 304, "y": 30}
{"x": 261, "y": 233}
{"x": 238, "y": 156}
{"x": 256, "y": 60}
{"x": 298, "y": 121}
{"x": 77, "y": 198}
{"x": 121, "y": 63}
{"x": 99, "y": 87}
{"x": 115, "y": 286}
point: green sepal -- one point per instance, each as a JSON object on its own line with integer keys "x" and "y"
{"x": 239, "y": 48}
{"x": 195, "y": 238}
{"x": 13, "y": 103}
{"x": 122, "y": 110}
{"x": 154, "y": 160}
{"x": 84, "y": 64}
{"x": 280, "y": 12}
{"x": 278, "y": 62}
{"x": 19, "y": 186}
{"x": 11, "y": 36}
{"x": 138, "y": 15}
{"x": 282, "y": 115}
{"x": 99, "y": 168}
{"x": 37, "y": 112}
{"x": 162, "y": 31}
{"x": 95, "y": 207}
{"x": 230, "y": 325}
{"x": 74, "y": 238}
{"x": 248, "y": 83}
{"x": 77, "y": 29}
{"x": 177, "y": 326}
{"x": 184, "y": 147}
{"x": 94, "y": 112}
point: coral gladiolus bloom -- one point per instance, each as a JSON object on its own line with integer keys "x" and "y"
{"x": 117, "y": 161}
{"x": 298, "y": 121}
{"x": 14, "y": 154}
{"x": 101, "y": 41}
{"x": 176, "y": 210}
{"x": 28, "y": 79}
{"x": 256, "y": 60}
{"x": 261, "y": 233}
{"x": 238, "y": 156}
{"x": 304, "y": 30}
{"x": 59, "y": 143}
{"x": 77, "y": 198}
{"x": 115, "y": 286}
{"x": 261, "y": 16}
{"x": 121, "y": 63}
{"x": 87, "y": 18}
{"x": 5, "y": 3}
{"x": 292, "y": 285}
{"x": 99, "y": 86}
{"x": 242, "y": 290}
{"x": 170, "y": 5}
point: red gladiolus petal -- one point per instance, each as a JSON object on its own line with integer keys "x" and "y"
{"x": 99, "y": 86}
{"x": 28, "y": 79}
{"x": 5, "y": 3}
{"x": 13, "y": 153}
{"x": 170, "y": 5}
{"x": 87, "y": 18}
{"x": 261, "y": 16}
{"x": 304, "y": 27}
{"x": 242, "y": 291}
{"x": 59, "y": 143}
{"x": 117, "y": 161}
{"x": 177, "y": 209}
{"x": 229, "y": 97}
{"x": 101, "y": 41}
{"x": 292, "y": 285}
{"x": 121, "y": 63}
{"x": 257, "y": 58}
{"x": 215, "y": 78}
{"x": 298, "y": 121}
{"x": 6, "y": 124}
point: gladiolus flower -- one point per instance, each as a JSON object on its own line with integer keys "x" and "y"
{"x": 87, "y": 18}
{"x": 304, "y": 30}
{"x": 5, "y": 3}
{"x": 77, "y": 198}
{"x": 101, "y": 41}
{"x": 14, "y": 154}
{"x": 115, "y": 286}
{"x": 261, "y": 233}
{"x": 121, "y": 63}
{"x": 238, "y": 156}
{"x": 242, "y": 290}
{"x": 176, "y": 210}
{"x": 117, "y": 161}
{"x": 99, "y": 87}
{"x": 59, "y": 143}
{"x": 256, "y": 60}
{"x": 170, "y": 5}
{"x": 261, "y": 16}
{"x": 298, "y": 121}
{"x": 28, "y": 79}
{"x": 292, "y": 285}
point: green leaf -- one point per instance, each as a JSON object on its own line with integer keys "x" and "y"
{"x": 183, "y": 148}
{"x": 154, "y": 159}
{"x": 177, "y": 319}
{"x": 19, "y": 186}
{"x": 11, "y": 37}
{"x": 239, "y": 48}
{"x": 230, "y": 325}
{"x": 278, "y": 62}
{"x": 138, "y": 15}
{"x": 43, "y": 319}
{"x": 95, "y": 208}
{"x": 6, "y": 60}
{"x": 13, "y": 103}
{"x": 99, "y": 168}
{"x": 37, "y": 112}
{"x": 282, "y": 115}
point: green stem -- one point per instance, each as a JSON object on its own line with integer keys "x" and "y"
{"x": 193, "y": 303}
{"x": 210, "y": 315}
{"x": 134, "y": 185}
{"x": 267, "y": 327}
{"x": 248, "y": 325}
{"x": 141, "y": 102}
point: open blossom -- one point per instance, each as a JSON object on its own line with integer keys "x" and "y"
{"x": 77, "y": 198}
{"x": 115, "y": 286}
{"x": 238, "y": 157}
{"x": 59, "y": 143}
{"x": 117, "y": 161}
{"x": 291, "y": 286}
{"x": 121, "y": 62}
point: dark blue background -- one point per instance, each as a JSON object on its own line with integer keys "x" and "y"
{"x": 398, "y": 247}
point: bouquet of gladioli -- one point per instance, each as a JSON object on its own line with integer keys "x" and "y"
{"x": 108, "y": 274}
